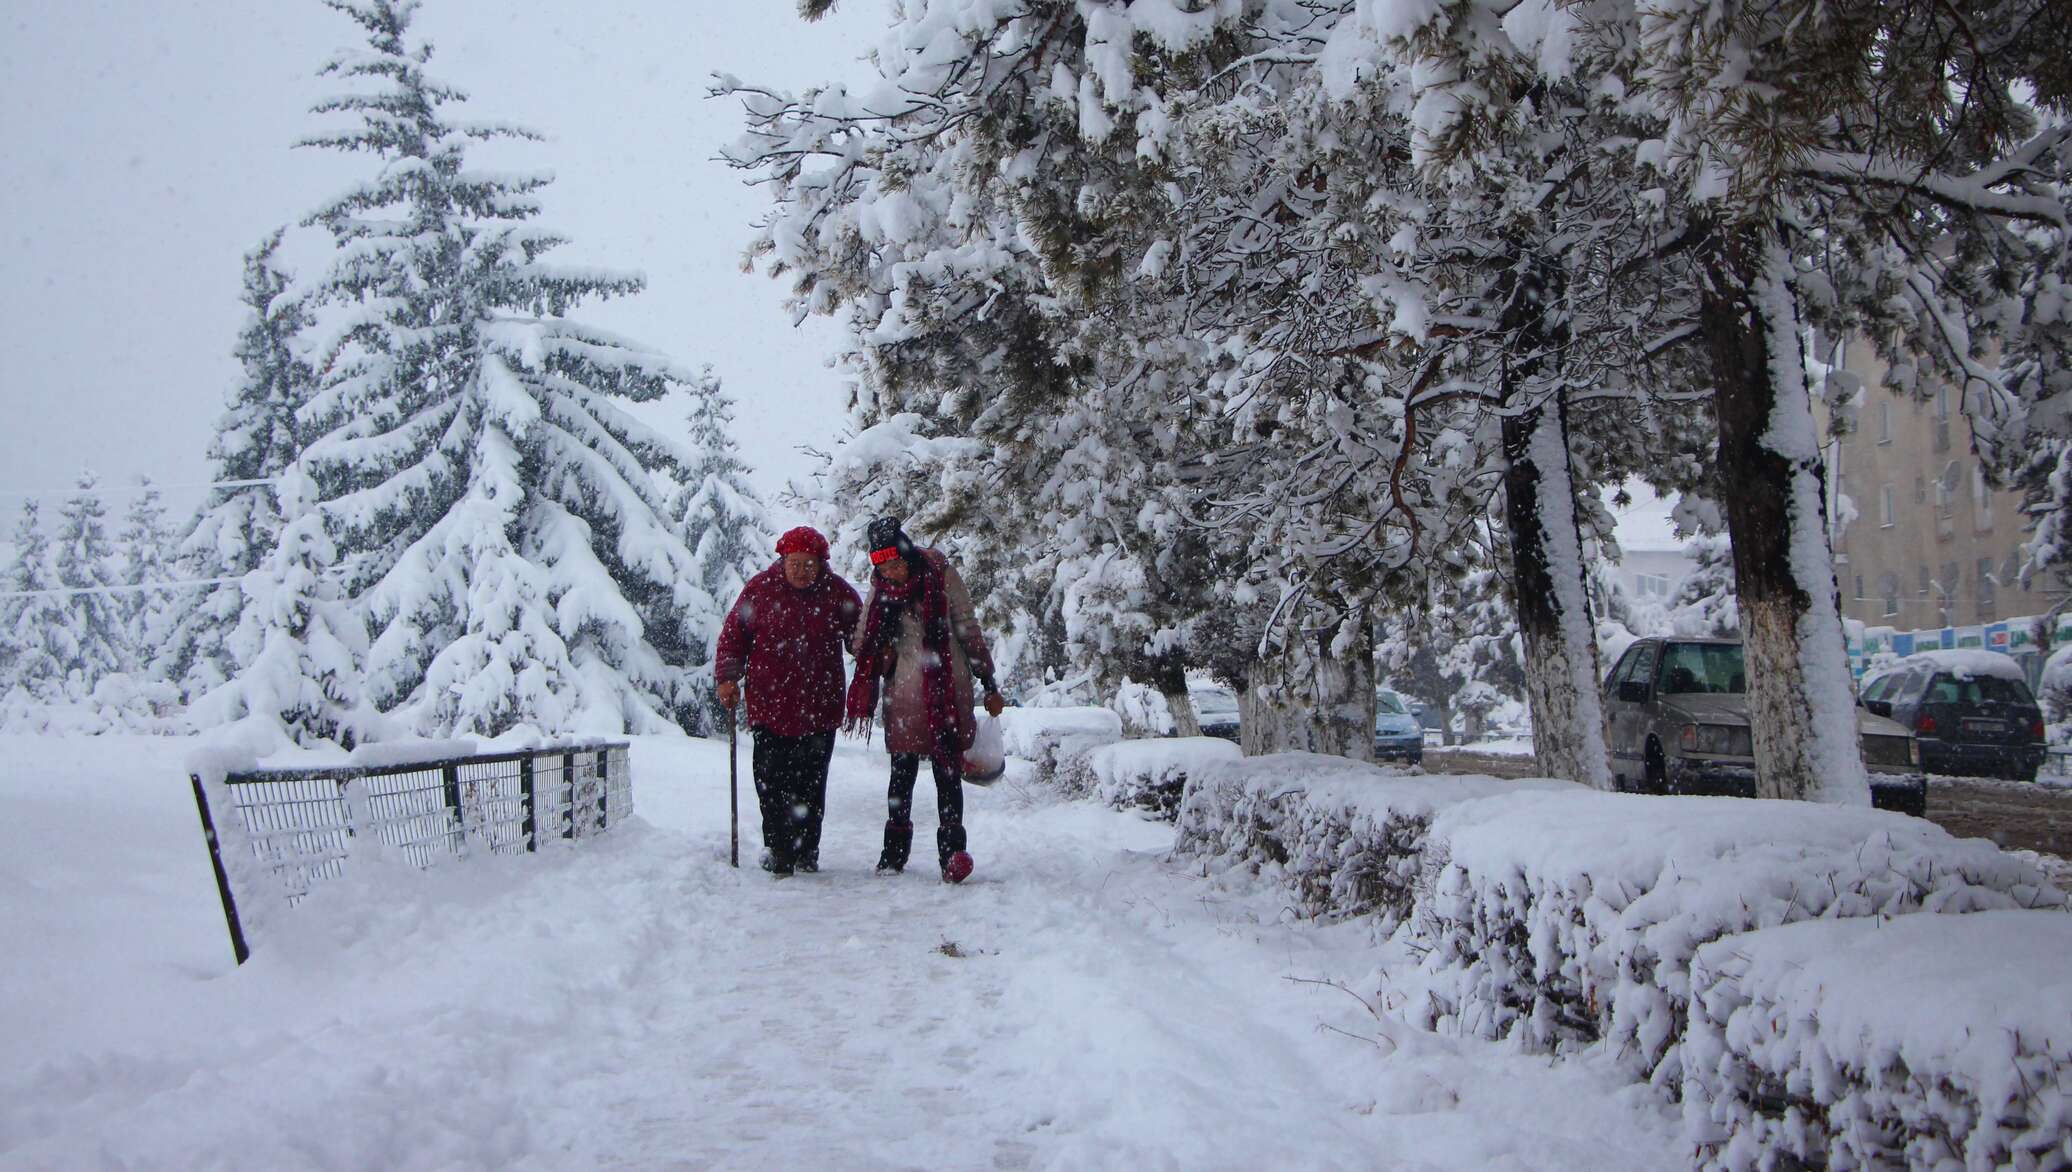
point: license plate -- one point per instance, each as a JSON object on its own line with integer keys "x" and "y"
{"x": 1985, "y": 726}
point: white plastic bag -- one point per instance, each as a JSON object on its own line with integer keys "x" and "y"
{"x": 986, "y": 759}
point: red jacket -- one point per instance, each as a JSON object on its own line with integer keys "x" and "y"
{"x": 789, "y": 642}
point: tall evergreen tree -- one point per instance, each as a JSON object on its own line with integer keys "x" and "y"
{"x": 499, "y": 520}
{"x": 84, "y": 558}
{"x": 724, "y": 523}
{"x": 256, "y": 440}
{"x": 145, "y": 556}
{"x": 38, "y": 635}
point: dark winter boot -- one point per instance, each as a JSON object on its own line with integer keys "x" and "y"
{"x": 899, "y": 843}
{"x": 949, "y": 851}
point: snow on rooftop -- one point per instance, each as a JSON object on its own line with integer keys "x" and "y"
{"x": 1645, "y": 524}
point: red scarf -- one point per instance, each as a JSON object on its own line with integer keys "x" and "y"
{"x": 875, "y": 657}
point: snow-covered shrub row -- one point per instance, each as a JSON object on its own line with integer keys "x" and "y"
{"x": 1918, "y": 1042}
{"x": 1574, "y": 916}
{"x": 1343, "y": 837}
{"x": 1053, "y": 737}
{"x": 119, "y": 703}
{"x": 1147, "y": 774}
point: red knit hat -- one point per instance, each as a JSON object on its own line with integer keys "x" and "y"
{"x": 804, "y": 539}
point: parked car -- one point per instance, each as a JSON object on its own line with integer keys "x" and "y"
{"x": 1971, "y": 710}
{"x": 1676, "y": 712}
{"x": 1397, "y": 732}
{"x": 1217, "y": 710}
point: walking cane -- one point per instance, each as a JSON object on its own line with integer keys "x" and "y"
{"x": 733, "y": 797}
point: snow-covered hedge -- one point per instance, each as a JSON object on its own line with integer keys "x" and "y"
{"x": 1053, "y": 737}
{"x": 1342, "y": 837}
{"x": 1145, "y": 774}
{"x": 1574, "y": 916}
{"x": 1918, "y": 1042}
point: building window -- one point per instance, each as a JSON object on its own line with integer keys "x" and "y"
{"x": 1885, "y": 422}
{"x": 1924, "y": 583}
{"x": 1859, "y": 587}
{"x": 1920, "y": 490}
{"x": 1981, "y": 501}
{"x": 1888, "y": 590}
{"x": 1946, "y": 489}
{"x": 1947, "y": 587}
{"x": 1942, "y": 419}
{"x": 1988, "y": 592}
{"x": 1885, "y": 507}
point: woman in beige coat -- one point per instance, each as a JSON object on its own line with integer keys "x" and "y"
{"x": 920, "y": 642}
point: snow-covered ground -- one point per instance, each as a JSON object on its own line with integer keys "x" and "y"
{"x": 1080, "y": 1003}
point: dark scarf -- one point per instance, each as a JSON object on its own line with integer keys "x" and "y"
{"x": 874, "y": 658}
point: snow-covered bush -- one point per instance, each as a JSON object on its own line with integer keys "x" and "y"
{"x": 1874, "y": 1043}
{"x": 1053, "y": 737}
{"x": 1146, "y": 774}
{"x": 1343, "y": 837}
{"x": 2054, "y": 687}
{"x": 119, "y": 703}
{"x": 1570, "y": 917}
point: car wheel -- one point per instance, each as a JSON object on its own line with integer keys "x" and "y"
{"x": 1657, "y": 781}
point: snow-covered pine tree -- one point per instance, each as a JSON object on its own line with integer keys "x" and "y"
{"x": 725, "y": 524}
{"x": 235, "y": 529}
{"x": 83, "y": 555}
{"x": 146, "y": 549}
{"x": 38, "y": 635}
{"x": 498, "y": 515}
{"x": 298, "y": 644}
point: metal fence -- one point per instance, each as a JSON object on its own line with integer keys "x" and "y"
{"x": 275, "y": 833}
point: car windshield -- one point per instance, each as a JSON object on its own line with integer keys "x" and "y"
{"x": 1702, "y": 667}
{"x": 1955, "y": 690}
{"x": 1213, "y": 704}
{"x": 1389, "y": 704}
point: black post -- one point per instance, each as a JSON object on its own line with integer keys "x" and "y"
{"x": 529, "y": 827}
{"x": 208, "y": 831}
{"x": 568, "y": 776}
{"x": 733, "y": 795}
{"x": 604, "y": 787}
{"x": 450, "y": 775}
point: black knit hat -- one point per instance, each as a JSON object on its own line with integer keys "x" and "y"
{"x": 885, "y": 533}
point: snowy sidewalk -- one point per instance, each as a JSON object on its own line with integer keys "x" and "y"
{"x": 638, "y": 1004}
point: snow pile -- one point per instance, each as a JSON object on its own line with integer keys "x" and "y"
{"x": 1343, "y": 837}
{"x": 1574, "y": 916}
{"x": 1146, "y": 774}
{"x": 1874, "y": 1043}
{"x": 1053, "y": 737}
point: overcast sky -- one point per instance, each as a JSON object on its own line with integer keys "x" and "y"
{"x": 147, "y": 147}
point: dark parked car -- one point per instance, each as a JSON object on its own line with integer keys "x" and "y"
{"x": 1398, "y": 735}
{"x": 1676, "y": 712}
{"x": 1971, "y": 710}
{"x": 1217, "y": 710}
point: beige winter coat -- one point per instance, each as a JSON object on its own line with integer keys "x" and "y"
{"x": 903, "y": 710}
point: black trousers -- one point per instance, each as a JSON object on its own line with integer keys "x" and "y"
{"x": 791, "y": 788}
{"x": 948, "y": 769}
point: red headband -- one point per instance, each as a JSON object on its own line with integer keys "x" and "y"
{"x": 880, "y": 556}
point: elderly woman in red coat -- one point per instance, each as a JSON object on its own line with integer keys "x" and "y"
{"x": 920, "y": 640}
{"x": 785, "y": 635}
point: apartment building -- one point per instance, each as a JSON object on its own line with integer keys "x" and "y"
{"x": 1921, "y": 541}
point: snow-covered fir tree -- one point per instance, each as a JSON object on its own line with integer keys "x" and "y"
{"x": 499, "y": 521}
{"x": 146, "y": 553}
{"x": 724, "y": 523}
{"x": 298, "y": 644}
{"x": 238, "y": 524}
{"x": 40, "y": 642}
{"x": 83, "y": 555}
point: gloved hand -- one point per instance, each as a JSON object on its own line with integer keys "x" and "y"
{"x": 729, "y": 694}
{"x": 995, "y": 702}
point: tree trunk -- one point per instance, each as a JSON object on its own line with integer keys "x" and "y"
{"x": 1171, "y": 678}
{"x": 1313, "y": 695}
{"x": 1800, "y": 700}
{"x": 1561, "y": 668}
